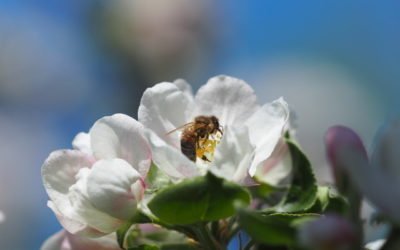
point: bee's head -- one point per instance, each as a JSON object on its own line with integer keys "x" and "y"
{"x": 215, "y": 121}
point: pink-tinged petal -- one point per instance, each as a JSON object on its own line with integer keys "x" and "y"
{"x": 266, "y": 128}
{"x": 387, "y": 148}
{"x": 112, "y": 188}
{"x": 81, "y": 143}
{"x": 328, "y": 232}
{"x": 82, "y": 209}
{"x": 170, "y": 159}
{"x": 107, "y": 242}
{"x": 347, "y": 154}
{"x": 72, "y": 225}
{"x": 230, "y": 99}
{"x": 165, "y": 107}
{"x": 233, "y": 154}
{"x": 339, "y": 137}
{"x": 59, "y": 173}
{"x": 277, "y": 168}
{"x": 63, "y": 240}
{"x": 120, "y": 136}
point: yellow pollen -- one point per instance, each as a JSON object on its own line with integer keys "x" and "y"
{"x": 207, "y": 146}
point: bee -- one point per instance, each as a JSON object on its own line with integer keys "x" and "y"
{"x": 196, "y": 136}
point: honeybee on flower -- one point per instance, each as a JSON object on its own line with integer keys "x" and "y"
{"x": 251, "y": 144}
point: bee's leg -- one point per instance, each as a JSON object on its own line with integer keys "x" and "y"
{"x": 220, "y": 130}
{"x": 198, "y": 142}
{"x": 204, "y": 158}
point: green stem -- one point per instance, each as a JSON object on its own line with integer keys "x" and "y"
{"x": 205, "y": 238}
{"x": 215, "y": 229}
{"x": 354, "y": 216}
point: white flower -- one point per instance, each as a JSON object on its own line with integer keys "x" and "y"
{"x": 379, "y": 178}
{"x": 63, "y": 240}
{"x": 94, "y": 188}
{"x": 251, "y": 132}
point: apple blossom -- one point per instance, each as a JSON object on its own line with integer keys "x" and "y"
{"x": 336, "y": 139}
{"x": 96, "y": 187}
{"x": 379, "y": 178}
{"x": 63, "y": 240}
{"x": 251, "y": 132}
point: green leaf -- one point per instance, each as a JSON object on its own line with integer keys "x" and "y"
{"x": 266, "y": 191}
{"x": 329, "y": 200}
{"x": 178, "y": 247}
{"x": 157, "y": 236}
{"x": 122, "y": 232}
{"x": 156, "y": 179}
{"x": 302, "y": 193}
{"x": 144, "y": 247}
{"x": 277, "y": 229}
{"x": 267, "y": 229}
{"x": 204, "y": 198}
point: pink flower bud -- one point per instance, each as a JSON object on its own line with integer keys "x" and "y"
{"x": 339, "y": 139}
{"x": 328, "y": 232}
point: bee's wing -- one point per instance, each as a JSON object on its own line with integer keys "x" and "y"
{"x": 180, "y": 128}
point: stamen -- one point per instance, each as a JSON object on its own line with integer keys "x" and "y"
{"x": 207, "y": 147}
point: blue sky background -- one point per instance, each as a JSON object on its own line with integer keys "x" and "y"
{"x": 82, "y": 80}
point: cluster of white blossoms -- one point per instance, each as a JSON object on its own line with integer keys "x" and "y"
{"x": 97, "y": 186}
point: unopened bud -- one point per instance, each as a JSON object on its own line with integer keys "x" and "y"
{"x": 337, "y": 140}
{"x": 327, "y": 233}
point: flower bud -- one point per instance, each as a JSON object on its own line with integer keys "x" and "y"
{"x": 339, "y": 139}
{"x": 327, "y": 233}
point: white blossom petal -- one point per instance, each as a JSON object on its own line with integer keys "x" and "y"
{"x": 387, "y": 149}
{"x": 372, "y": 182}
{"x": 169, "y": 159}
{"x": 81, "y": 142}
{"x": 165, "y": 107}
{"x": 59, "y": 174}
{"x": 231, "y": 100}
{"x": 233, "y": 154}
{"x": 63, "y": 240}
{"x": 185, "y": 88}
{"x": 2, "y": 217}
{"x": 266, "y": 127}
{"x": 375, "y": 245}
{"x": 347, "y": 154}
{"x": 277, "y": 168}
{"x": 120, "y": 136}
{"x": 82, "y": 209}
{"x": 72, "y": 225}
{"x": 112, "y": 188}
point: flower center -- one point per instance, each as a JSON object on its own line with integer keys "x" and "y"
{"x": 206, "y": 147}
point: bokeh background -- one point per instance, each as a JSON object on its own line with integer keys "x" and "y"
{"x": 66, "y": 63}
